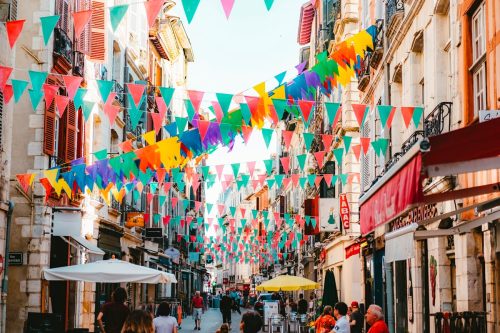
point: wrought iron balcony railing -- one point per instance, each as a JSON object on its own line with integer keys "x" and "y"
{"x": 120, "y": 92}
{"x": 459, "y": 322}
{"x": 63, "y": 47}
{"x": 378, "y": 47}
{"x": 363, "y": 72}
{"x": 393, "y": 9}
{"x": 79, "y": 64}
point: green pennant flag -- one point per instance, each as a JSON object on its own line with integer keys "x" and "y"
{"x": 255, "y": 212}
{"x": 280, "y": 107}
{"x": 245, "y": 179}
{"x": 302, "y": 182}
{"x": 265, "y": 213}
{"x": 105, "y": 88}
{"x": 347, "y": 143}
{"x": 232, "y": 209}
{"x": 339, "y": 152}
{"x": 209, "y": 207}
{"x": 162, "y": 199}
{"x": 181, "y": 123}
{"x": 135, "y": 114}
{"x": 279, "y": 180}
{"x": 189, "y": 109}
{"x": 35, "y": 97}
{"x": 116, "y": 14}
{"x": 18, "y": 86}
{"x": 384, "y": 111}
{"x": 224, "y": 101}
{"x": 190, "y": 7}
{"x": 308, "y": 139}
{"x": 205, "y": 171}
{"x": 343, "y": 178}
{"x": 280, "y": 77}
{"x": 269, "y": 166}
{"x": 101, "y": 154}
{"x": 383, "y": 143}
{"x": 302, "y": 161}
{"x": 156, "y": 218}
{"x": 145, "y": 177}
{"x": 267, "y": 134}
{"x": 417, "y": 115}
{"x": 269, "y": 4}
{"x": 78, "y": 100}
{"x": 334, "y": 180}
{"x": 331, "y": 110}
{"x": 236, "y": 169}
{"x": 48, "y": 25}
{"x": 37, "y": 79}
{"x": 270, "y": 183}
{"x": 246, "y": 113}
{"x": 116, "y": 164}
{"x": 153, "y": 186}
{"x": 376, "y": 147}
{"x": 311, "y": 179}
{"x": 167, "y": 93}
{"x": 240, "y": 184}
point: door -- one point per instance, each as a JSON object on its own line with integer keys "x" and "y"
{"x": 401, "y": 287}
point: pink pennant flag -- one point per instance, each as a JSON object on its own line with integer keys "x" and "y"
{"x": 286, "y": 182}
{"x": 356, "y": 150}
{"x": 218, "y": 111}
{"x": 61, "y": 103}
{"x": 407, "y": 113}
{"x": 153, "y": 7}
{"x": 328, "y": 179}
{"x": 262, "y": 179}
{"x": 229, "y": 177}
{"x": 359, "y": 112}
{"x": 174, "y": 200}
{"x": 72, "y": 83}
{"x": 306, "y": 107}
{"x": 4, "y": 76}
{"x": 166, "y": 220}
{"x": 166, "y": 187}
{"x": 243, "y": 212}
{"x": 196, "y": 97}
{"x": 160, "y": 103}
{"x": 80, "y": 20}
{"x": 295, "y": 179}
{"x": 149, "y": 197}
{"x": 136, "y": 91}
{"x": 110, "y": 109}
{"x": 227, "y": 5}
{"x": 317, "y": 181}
{"x": 195, "y": 182}
{"x": 247, "y": 132}
{"x": 225, "y": 184}
{"x": 255, "y": 184}
{"x": 327, "y": 141}
{"x": 197, "y": 205}
{"x": 157, "y": 121}
{"x": 365, "y": 144}
{"x": 285, "y": 162}
{"x": 14, "y": 29}
{"x": 251, "y": 167}
{"x": 50, "y": 92}
{"x": 253, "y": 104}
{"x": 203, "y": 128}
{"x": 319, "y": 155}
{"x": 8, "y": 92}
{"x": 287, "y": 137}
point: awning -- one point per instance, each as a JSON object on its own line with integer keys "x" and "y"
{"x": 91, "y": 248}
{"x": 307, "y": 13}
{"x": 399, "y": 244}
{"x": 469, "y": 149}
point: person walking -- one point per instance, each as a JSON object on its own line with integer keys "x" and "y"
{"x": 138, "y": 321}
{"x": 236, "y": 302}
{"x": 302, "y": 305}
{"x": 197, "y": 309}
{"x": 356, "y": 318}
{"x": 226, "y": 304}
{"x": 342, "y": 324}
{"x": 164, "y": 322}
{"x": 251, "y": 322}
{"x": 375, "y": 318}
{"x": 113, "y": 314}
{"x": 325, "y": 322}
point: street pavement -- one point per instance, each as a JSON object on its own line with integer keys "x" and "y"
{"x": 210, "y": 322}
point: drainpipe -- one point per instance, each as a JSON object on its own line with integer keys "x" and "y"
{"x": 5, "y": 280}
{"x": 390, "y": 296}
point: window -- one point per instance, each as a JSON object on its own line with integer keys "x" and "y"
{"x": 479, "y": 81}
{"x": 478, "y": 32}
{"x": 478, "y": 68}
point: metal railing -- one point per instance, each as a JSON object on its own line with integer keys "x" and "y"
{"x": 439, "y": 120}
{"x": 79, "y": 64}
{"x": 378, "y": 46}
{"x": 460, "y": 322}
{"x": 63, "y": 45}
{"x": 120, "y": 92}
{"x": 393, "y": 7}
{"x": 363, "y": 71}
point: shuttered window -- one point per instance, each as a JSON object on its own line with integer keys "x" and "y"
{"x": 62, "y": 9}
{"x": 82, "y": 43}
{"x": 49, "y": 138}
{"x": 79, "y": 135}
{"x": 13, "y": 10}
{"x": 98, "y": 32}
{"x": 71, "y": 131}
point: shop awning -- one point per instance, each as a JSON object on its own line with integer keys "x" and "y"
{"x": 307, "y": 13}
{"x": 469, "y": 149}
{"x": 399, "y": 244}
{"x": 91, "y": 248}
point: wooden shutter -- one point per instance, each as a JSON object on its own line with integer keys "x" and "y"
{"x": 71, "y": 131}
{"x": 13, "y": 10}
{"x": 98, "y": 32}
{"x": 83, "y": 41}
{"x": 62, "y": 9}
{"x": 79, "y": 134}
{"x": 1, "y": 120}
{"x": 49, "y": 135}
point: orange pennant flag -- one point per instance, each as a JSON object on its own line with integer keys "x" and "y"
{"x": 25, "y": 180}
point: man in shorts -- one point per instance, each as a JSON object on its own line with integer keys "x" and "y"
{"x": 197, "y": 308}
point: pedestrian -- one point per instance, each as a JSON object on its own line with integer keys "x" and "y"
{"x": 251, "y": 322}
{"x": 293, "y": 305}
{"x": 113, "y": 314}
{"x": 236, "y": 302}
{"x": 375, "y": 318}
{"x": 164, "y": 322}
{"x": 356, "y": 318}
{"x": 325, "y": 322}
{"x": 197, "y": 309}
{"x": 138, "y": 321}
{"x": 226, "y": 304}
{"x": 301, "y": 305}
{"x": 312, "y": 303}
{"x": 342, "y": 324}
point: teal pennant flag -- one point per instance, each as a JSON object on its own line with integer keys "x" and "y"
{"x": 384, "y": 112}
{"x": 269, "y": 166}
{"x": 236, "y": 169}
{"x": 48, "y": 25}
{"x": 189, "y": 109}
{"x": 181, "y": 123}
{"x": 302, "y": 182}
{"x": 167, "y": 93}
{"x": 35, "y": 97}
{"x": 302, "y": 161}
{"x": 339, "y": 152}
{"x": 347, "y": 143}
{"x": 331, "y": 111}
{"x": 87, "y": 109}
{"x": 37, "y": 79}
{"x": 18, "y": 86}
{"x": 105, "y": 88}
{"x": 383, "y": 143}
{"x": 280, "y": 106}
{"x": 417, "y": 115}
{"x": 279, "y": 180}
{"x": 134, "y": 113}
{"x": 308, "y": 139}
{"x": 267, "y": 134}
{"x": 224, "y": 101}
{"x": 246, "y": 113}
{"x": 269, "y": 4}
{"x": 78, "y": 100}
{"x": 344, "y": 178}
{"x": 116, "y": 14}
{"x": 280, "y": 77}
{"x": 190, "y": 7}
{"x": 311, "y": 179}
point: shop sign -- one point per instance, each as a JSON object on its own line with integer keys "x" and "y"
{"x": 135, "y": 219}
{"x": 232, "y": 278}
{"x": 329, "y": 215}
{"x": 345, "y": 212}
{"x": 16, "y": 259}
{"x": 414, "y": 215}
{"x": 485, "y": 115}
{"x": 352, "y": 250}
{"x": 154, "y": 233}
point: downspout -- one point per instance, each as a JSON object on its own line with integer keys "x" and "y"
{"x": 5, "y": 280}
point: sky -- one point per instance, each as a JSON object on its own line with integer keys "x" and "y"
{"x": 232, "y": 55}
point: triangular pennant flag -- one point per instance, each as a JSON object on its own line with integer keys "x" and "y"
{"x": 105, "y": 88}
{"x": 287, "y": 138}
{"x": 302, "y": 161}
{"x": 80, "y": 20}
{"x": 224, "y": 99}
{"x": 339, "y": 152}
{"x": 247, "y": 132}
{"x": 166, "y": 92}
{"x": 157, "y": 121}
{"x": 227, "y": 5}
{"x": 251, "y": 167}
{"x": 181, "y": 123}
{"x": 319, "y": 155}
{"x": 347, "y": 143}
{"x": 285, "y": 162}
{"x": 306, "y": 108}
{"x": 300, "y": 67}
{"x": 190, "y": 7}
{"x": 328, "y": 179}
{"x": 18, "y": 87}
{"x": 189, "y": 109}
{"x": 365, "y": 144}
{"x": 196, "y": 97}
{"x": 407, "y": 113}
{"x": 327, "y": 141}
{"x": 88, "y": 106}
{"x": 308, "y": 139}
{"x": 269, "y": 166}
{"x": 267, "y": 134}
{"x": 4, "y": 76}
{"x": 317, "y": 181}
{"x": 356, "y": 149}
{"x": 295, "y": 179}
{"x": 78, "y": 100}
{"x": 269, "y": 4}
{"x": 280, "y": 106}
{"x": 61, "y": 103}
{"x": 136, "y": 91}
{"x": 35, "y": 97}
{"x": 245, "y": 112}
{"x": 203, "y": 128}
{"x": 383, "y": 143}
{"x": 343, "y": 178}
{"x": 280, "y": 77}
{"x": 417, "y": 115}
{"x": 72, "y": 83}
{"x": 25, "y": 180}
{"x": 384, "y": 111}
{"x": 37, "y": 79}
{"x": 14, "y": 29}
{"x": 219, "y": 169}
{"x": 359, "y": 112}
{"x": 150, "y": 137}
{"x": 311, "y": 179}
{"x": 236, "y": 169}
{"x": 101, "y": 154}
{"x": 48, "y": 25}
{"x": 8, "y": 92}
{"x": 332, "y": 112}
{"x": 153, "y": 8}
{"x": 50, "y": 91}
{"x": 376, "y": 147}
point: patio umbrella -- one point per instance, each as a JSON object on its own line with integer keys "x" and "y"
{"x": 287, "y": 283}
{"x": 108, "y": 271}
{"x": 330, "y": 296}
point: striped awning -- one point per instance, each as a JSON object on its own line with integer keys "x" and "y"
{"x": 307, "y": 13}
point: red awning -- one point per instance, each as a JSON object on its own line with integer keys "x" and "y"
{"x": 305, "y": 23}
{"x": 469, "y": 149}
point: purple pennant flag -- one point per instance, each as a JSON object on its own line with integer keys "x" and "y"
{"x": 300, "y": 67}
{"x": 312, "y": 79}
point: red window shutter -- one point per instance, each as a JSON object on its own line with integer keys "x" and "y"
{"x": 155, "y": 204}
{"x": 98, "y": 32}
{"x": 83, "y": 41}
{"x": 71, "y": 130}
{"x": 79, "y": 134}
{"x": 49, "y": 135}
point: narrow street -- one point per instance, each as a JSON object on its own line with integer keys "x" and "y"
{"x": 211, "y": 321}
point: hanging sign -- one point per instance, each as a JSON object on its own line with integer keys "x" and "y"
{"x": 135, "y": 219}
{"x": 329, "y": 215}
{"x": 485, "y": 115}
{"x": 345, "y": 212}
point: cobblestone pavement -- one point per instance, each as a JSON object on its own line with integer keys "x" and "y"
{"x": 210, "y": 322}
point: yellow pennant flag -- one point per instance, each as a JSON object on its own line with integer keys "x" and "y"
{"x": 150, "y": 137}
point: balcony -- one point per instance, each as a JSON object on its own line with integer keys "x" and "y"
{"x": 459, "y": 322}
{"x": 378, "y": 47}
{"x": 120, "y": 92}
{"x": 394, "y": 11}
{"x": 63, "y": 52}
{"x": 78, "y": 65}
{"x": 363, "y": 72}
